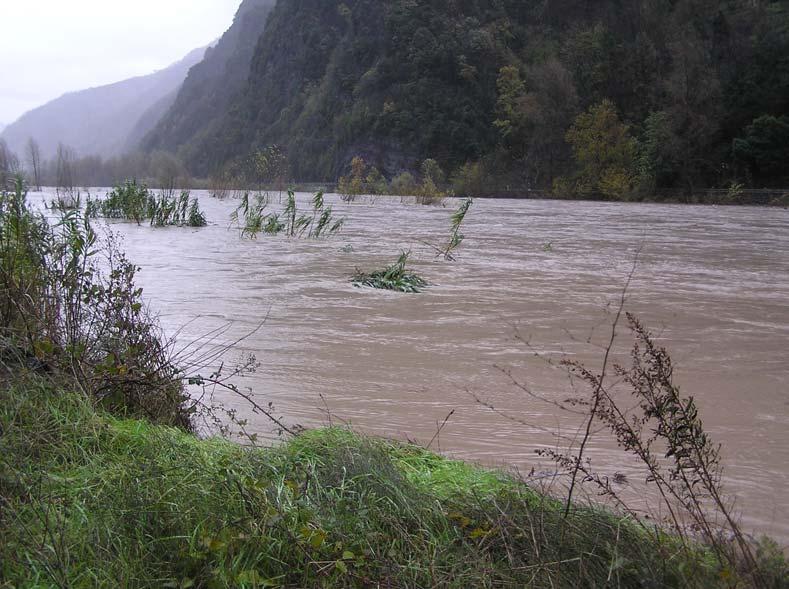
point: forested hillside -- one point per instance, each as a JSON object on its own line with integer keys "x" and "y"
{"x": 603, "y": 97}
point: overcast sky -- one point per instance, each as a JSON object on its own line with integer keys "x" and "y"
{"x": 50, "y": 47}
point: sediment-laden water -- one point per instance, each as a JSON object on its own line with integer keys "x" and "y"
{"x": 536, "y": 281}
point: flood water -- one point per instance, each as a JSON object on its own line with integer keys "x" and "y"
{"x": 535, "y": 282}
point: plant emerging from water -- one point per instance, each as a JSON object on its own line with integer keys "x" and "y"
{"x": 135, "y": 202}
{"x": 252, "y": 219}
{"x": 66, "y": 202}
{"x": 665, "y": 433}
{"x": 177, "y": 211}
{"x": 456, "y": 237}
{"x": 394, "y": 277}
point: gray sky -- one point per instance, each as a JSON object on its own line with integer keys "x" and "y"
{"x": 50, "y": 47}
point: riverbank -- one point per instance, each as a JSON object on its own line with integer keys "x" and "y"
{"x": 92, "y": 500}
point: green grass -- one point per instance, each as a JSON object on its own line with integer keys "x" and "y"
{"x": 92, "y": 500}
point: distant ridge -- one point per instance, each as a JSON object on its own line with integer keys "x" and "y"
{"x": 106, "y": 120}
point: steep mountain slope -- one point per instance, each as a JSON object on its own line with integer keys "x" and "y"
{"x": 211, "y": 85}
{"x": 100, "y": 121}
{"x": 503, "y": 83}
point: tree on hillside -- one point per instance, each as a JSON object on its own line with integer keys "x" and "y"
{"x": 534, "y": 115}
{"x": 658, "y": 159}
{"x": 604, "y": 151}
{"x": 694, "y": 108}
{"x": 764, "y": 149}
{"x": 511, "y": 121}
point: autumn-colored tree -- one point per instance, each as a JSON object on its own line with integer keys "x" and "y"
{"x": 604, "y": 151}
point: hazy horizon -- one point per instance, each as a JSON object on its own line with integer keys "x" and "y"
{"x": 54, "y": 48}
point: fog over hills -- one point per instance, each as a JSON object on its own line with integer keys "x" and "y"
{"x": 212, "y": 86}
{"x": 106, "y": 120}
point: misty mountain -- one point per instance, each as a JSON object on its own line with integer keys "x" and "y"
{"x": 211, "y": 86}
{"x": 105, "y": 121}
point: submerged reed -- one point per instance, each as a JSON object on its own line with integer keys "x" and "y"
{"x": 135, "y": 202}
{"x": 394, "y": 277}
{"x": 251, "y": 218}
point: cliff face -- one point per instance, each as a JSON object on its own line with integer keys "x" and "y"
{"x": 209, "y": 89}
{"x": 100, "y": 121}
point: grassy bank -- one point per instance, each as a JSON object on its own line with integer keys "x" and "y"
{"x": 93, "y": 500}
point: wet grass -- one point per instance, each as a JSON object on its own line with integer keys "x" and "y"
{"x": 89, "y": 499}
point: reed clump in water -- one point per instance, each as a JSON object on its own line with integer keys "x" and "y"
{"x": 252, "y": 219}
{"x": 135, "y": 202}
{"x": 395, "y": 277}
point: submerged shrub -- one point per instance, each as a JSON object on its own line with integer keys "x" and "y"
{"x": 404, "y": 184}
{"x": 394, "y": 277}
{"x": 167, "y": 211}
{"x": 129, "y": 201}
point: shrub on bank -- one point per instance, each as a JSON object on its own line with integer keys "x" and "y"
{"x": 69, "y": 305}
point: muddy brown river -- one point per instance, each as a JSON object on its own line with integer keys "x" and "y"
{"x": 535, "y": 282}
